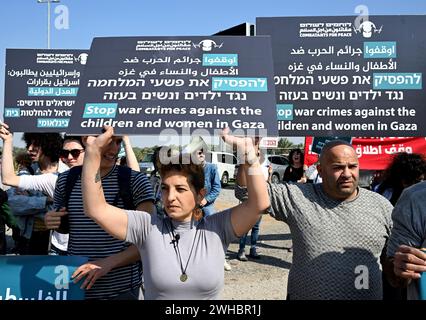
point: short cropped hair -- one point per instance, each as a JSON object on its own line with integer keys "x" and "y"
{"x": 332, "y": 144}
{"x": 184, "y": 165}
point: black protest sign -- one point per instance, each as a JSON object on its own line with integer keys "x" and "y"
{"x": 187, "y": 85}
{"x": 350, "y": 76}
{"x": 41, "y": 87}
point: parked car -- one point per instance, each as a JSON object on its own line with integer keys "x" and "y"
{"x": 279, "y": 164}
{"x": 225, "y": 163}
{"x": 146, "y": 165}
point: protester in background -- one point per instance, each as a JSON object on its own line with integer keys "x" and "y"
{"x": 182, "y": 256}
{"x": 242, "y": 195}
{"x": 211, "y": 184}
{"x": 23, "y": 163}
{"x": 408, "y": 241}
{"x": 294, "y": 173}
{"x": 376, "y": 180}
{"x": 30, "y": 208}
{"x": 71, "y": 154}
{"x": 155, "y": 181}
{"x": 6, "y": 218}
{"x": 405, "y": 170}
{"x": 126, "y": 155}
{"x": 312, "y": 174}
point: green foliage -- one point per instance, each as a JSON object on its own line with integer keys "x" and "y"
{"x": 138, "y": 153}
{"x": 284, "y": 143}
{"x": 285, "y": 146}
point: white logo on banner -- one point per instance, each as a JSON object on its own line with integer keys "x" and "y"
{"x": 207, "y": 45}
{"x": 367, "y": 28}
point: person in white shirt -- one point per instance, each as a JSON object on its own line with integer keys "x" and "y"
{"x": 71, "y": 154}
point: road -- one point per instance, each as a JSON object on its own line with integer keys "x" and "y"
{"x": 264, "y": 279}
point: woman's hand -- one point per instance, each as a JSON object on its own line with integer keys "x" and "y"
{"x": 5, "y": 134}
{"x": 92, "y": 271}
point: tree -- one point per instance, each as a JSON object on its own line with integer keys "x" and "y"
{"x": 138, "y": 153}
{"x": 284, "y": 143}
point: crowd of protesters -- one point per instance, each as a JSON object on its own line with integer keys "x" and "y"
{"x": 160, "y": 238}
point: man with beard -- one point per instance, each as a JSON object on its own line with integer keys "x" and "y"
{"x": 339, "y": 230}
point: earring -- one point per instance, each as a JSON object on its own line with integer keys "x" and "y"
{"x": 197, "y": 213}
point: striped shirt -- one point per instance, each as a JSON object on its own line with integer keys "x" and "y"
{"x": 89, "y": 240}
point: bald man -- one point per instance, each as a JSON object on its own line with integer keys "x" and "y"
{"x": 339, "y": 230}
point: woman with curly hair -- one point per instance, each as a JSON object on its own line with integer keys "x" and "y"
{"x": 295, "y": 172}
{"x": 405, "y": 170}
{"x": 43, "y": 149}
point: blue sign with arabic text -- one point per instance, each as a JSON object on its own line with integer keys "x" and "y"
{"x": 39, "y": 278}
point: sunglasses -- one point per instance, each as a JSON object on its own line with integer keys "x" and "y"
{"x": 200, "y": 153}
{"x": 74, "y": 153}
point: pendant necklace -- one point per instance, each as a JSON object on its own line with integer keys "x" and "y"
{"x": 175, "y": 241}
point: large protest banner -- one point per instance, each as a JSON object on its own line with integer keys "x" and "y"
{"x": 41, "y": 87}
{"x": 39, "y": 278}
{"x": 374, "y": 153}
{"x": 349, "y": 76}
{"x": 143, "y": 85}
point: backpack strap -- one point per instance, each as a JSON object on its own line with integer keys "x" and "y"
{"x": 124, "y": 176}
{"x": 73, "y": 175}
{"x": 125, "y": 190}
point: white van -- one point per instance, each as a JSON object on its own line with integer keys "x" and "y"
{"x": 225, "y": 163}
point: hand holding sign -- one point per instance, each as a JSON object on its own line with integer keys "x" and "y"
{"x": 245, "y": 146}
{"x": 97, "y": 144}
{"x": 5, "y": 134}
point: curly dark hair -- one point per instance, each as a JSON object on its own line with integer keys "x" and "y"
{"x": 292, "y": 152}
{"x": 184, "y": 164}
{"x": 405, "y": 170}
{"x": 49, "y": 143}
{"x": 23, "y": 159}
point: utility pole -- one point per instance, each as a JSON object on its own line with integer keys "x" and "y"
{"x": 48, "y": 18}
